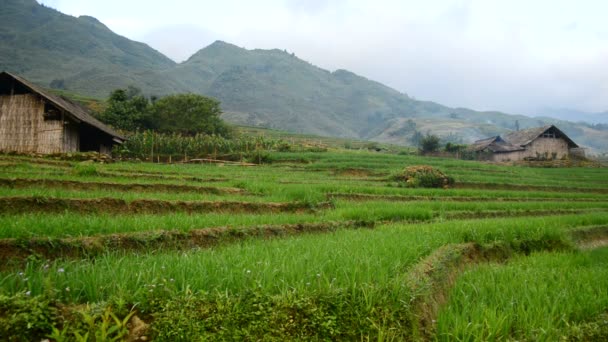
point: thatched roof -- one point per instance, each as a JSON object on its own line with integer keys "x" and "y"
{"x": 526, "y": 136}
{"x": 494, "y": 144}
{"x": 72, "y": 109}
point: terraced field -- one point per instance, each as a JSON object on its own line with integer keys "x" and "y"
{"x": 315, "y": 246}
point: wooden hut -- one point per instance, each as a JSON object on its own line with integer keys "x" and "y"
{"x": 32, "y": 120}
{"x": 541, "y": 143}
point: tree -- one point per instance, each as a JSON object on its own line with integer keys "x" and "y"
{"x": 416, "y": 138}
{"x": 127, "y": 109}
{"x": 429, "y": 144}
{"x": 188, "y": 114}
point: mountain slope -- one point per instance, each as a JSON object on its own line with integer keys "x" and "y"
{"x": 276, "y": 89}
{"x": 269, "y": 88}
{"x": 82, "y": 54}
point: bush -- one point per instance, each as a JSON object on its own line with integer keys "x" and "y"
{"x": 424, "y": 176}
{"x": 429, "y": 144}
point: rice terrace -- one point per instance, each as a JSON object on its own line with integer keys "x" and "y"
{"x": 292, "y": 170}
{"x": 307, "y": 246}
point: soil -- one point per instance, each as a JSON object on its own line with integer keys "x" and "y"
{"x": 369, "y": 197}
{"x": 131, "y": 187}
{"x": 491, "y": 186}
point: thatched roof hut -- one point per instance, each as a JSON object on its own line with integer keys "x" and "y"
{"x": 34, "y": 120}
{"x": 545, "y": 143}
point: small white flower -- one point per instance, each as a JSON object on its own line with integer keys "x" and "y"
{"x": 28, "y": 293}
{"x": 171, "y": 280}
{"x": 248, "y": 271}
{"x": 21, "y": 274}
{"x": 61, "y": 270}
{"x": 318, "y": 275}
{"x": 67, "y": 289}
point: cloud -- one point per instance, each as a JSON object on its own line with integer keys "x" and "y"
{"x": 309, "y": 7}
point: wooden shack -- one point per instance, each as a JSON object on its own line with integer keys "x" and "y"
{"x": 540, "y": 143}
{"x": 32, "y": 120}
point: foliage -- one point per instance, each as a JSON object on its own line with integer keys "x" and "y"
{"x": 24, "y": 318}
{"x": 455, "y": 148}
{"x": 85, "y": 169}
{"x": 189, "y": 114}
{"x": 424, "y": 176}
{"x": 429, "y": 144}
{"x": 127, "y": 109}
{"x": 149, "y": 144}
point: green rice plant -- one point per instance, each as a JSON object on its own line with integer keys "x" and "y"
{"x": 543, "y": 297}
{"x": 345, "y": 259}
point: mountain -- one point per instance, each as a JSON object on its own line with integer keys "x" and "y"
{"x": 575, "y": 115}
{"x": 80, "y": 54}
{"x": 268, "y": 88}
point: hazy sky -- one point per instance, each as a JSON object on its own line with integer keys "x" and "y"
{"x": 516, "y": 56}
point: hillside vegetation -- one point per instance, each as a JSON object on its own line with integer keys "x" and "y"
{"x": 267, "y": 88}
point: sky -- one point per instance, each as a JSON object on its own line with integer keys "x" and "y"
{"x": 517, "y": 56}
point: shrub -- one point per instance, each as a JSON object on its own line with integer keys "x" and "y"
{"x": 424, "y": 176}
{"x": 429, "y": 144}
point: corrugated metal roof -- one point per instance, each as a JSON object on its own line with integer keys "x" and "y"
{"x": 72, "y": 109}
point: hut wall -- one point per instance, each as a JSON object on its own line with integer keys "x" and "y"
{"x": 547, "y": 148}
{"x": 105, "y": 149}
{"x": 25, "y": 128}
{"x": 71, "y": 137}
{"x": 20, "y": 119}
{"x": 50, "y": 136}
{"x": 540, "y": 148}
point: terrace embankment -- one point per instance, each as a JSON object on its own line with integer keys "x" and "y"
{"x": 130, "y": 187}
{"x": 432, "y": 278}
{"x": 516, "y": 187}
{"x": 14, "y": 251}
{"x": 463, "y": 215}
{"x": 159, "y": 176}
{"x": 396, "y": 198}
{"x": 16, "y": 205}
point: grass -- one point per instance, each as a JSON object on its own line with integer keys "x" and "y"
{"x": 543, "y": 297}
{"x": 345, "y": 284}
{"x": 351, "y": 257}
{"x": 67, "y": 224}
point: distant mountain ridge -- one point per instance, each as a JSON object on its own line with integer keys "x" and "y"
{"x": 269, "y": 88}
{"x": 575, "y": 115}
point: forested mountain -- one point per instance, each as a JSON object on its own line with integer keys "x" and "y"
{"x": 80, "y": 54}
{"x": 270, "y": 88}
